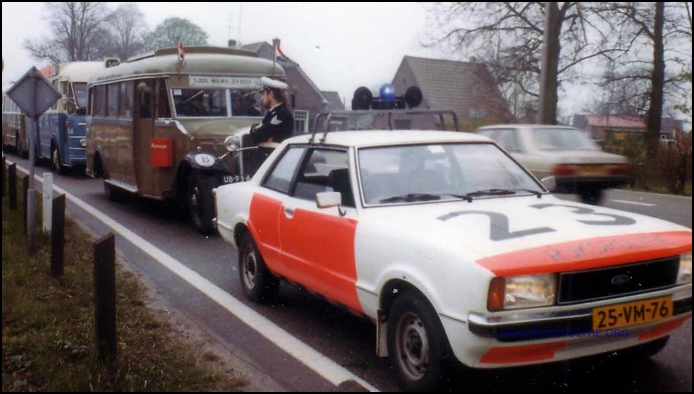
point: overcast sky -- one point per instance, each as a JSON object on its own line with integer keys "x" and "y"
{"x": 340, "y": 46}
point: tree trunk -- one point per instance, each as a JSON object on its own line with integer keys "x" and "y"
{"x": 655, "y": 111}
{"x": 550, "y": 64}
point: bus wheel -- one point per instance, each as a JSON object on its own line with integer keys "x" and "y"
{"x": 17, "y": 146}
{"x": 113, "y": 193}
{"x": 55, "y": 160}
{"x": 201, "y": 201}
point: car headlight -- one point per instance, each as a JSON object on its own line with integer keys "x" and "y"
{"x": 685, "y": 273}
{"x": 232, "y": 143}
{"x": 520, "y": 292}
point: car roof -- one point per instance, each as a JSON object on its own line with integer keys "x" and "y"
{"x": 366, "y": 138}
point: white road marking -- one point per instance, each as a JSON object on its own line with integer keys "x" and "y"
{"x": 656, "y": 194}
{"x": 322, "y": 365}
{"x": 635, "y": 203}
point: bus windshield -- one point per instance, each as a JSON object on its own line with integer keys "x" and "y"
{"x": 212, "y": 102}
{"x": 80, "y": 94}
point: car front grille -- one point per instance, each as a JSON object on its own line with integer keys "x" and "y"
{"x": 617, "y": 281}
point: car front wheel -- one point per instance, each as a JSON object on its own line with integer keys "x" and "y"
{"x": 417, "y": 343}
{"x": 258, "y": 283}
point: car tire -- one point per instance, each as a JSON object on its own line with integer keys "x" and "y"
{"x": 591, "y": 195}
{"x": 257, "y": 282}
{"x": 200, "y": 200}
{"x": 417, "y": 344}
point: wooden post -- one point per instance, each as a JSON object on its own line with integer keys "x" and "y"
{"x": 47, "y": 202}
{"x": 13, "y": 186}
{"x": 25, "y": 203}
{"x": 105, "y": 296}
{"x": 4, "y": 163}
{"x": 58, "y": 236}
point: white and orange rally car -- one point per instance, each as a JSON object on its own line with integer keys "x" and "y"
{"x": 453, "y": 248}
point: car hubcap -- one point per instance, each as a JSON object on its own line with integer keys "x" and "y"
{"x": 412, "y": 346}
{"x": 249, "y": 269}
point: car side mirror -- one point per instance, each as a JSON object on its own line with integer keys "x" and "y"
{"x": 550, "y": 183}
{"x": 329, "y": 200}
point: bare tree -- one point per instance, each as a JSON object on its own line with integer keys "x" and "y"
{"x": 654, "y": 34}
{"x": 128, "y": 27}
{"x": 76, "y": 33}
{"x": 509, "y": 37}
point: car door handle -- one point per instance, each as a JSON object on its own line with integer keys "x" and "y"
{"x": 288, "y": 212}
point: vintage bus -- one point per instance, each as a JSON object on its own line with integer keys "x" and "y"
{"x": 162, "y": 126}
{"x": 62, "y": 129}
{"x": 14, "y": 137}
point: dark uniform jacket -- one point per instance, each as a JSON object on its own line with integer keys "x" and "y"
{"x": 277, "y": 124}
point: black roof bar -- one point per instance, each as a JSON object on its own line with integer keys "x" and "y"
{"x": 326, "y": 116}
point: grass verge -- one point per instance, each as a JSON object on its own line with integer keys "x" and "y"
{"x": 48, "y": 340}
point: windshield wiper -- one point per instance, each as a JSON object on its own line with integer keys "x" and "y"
{"x": 414, "y": 197}
{"x": 499, "y": 192}
{"x": 192, "y": 97}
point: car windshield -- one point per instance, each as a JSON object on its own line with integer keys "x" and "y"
{"x": 436, "y": 172}
{"x": 561, "y": 139}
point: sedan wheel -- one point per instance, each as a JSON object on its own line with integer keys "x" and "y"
{"x": 258, "y": 283}
{"x": 417, "y": 343}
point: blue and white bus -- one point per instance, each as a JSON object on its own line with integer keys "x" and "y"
{"x": 62, "y": 129}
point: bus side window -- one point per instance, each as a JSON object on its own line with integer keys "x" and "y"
{"x": 113, "y": 99}
{"x": 144, "y": 91}
{"x": 126, "y": 101}
{"x": 163, "y": 108}
{"x": 100, "y": 101}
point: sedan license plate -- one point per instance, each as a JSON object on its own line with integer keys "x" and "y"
{"x": 632, "y": 313}
{"x": 235, "y": 178}
{"x": 593, "y": 170}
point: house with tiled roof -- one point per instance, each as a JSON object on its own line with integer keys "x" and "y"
{"x": 467, "y": 88}
{"x": 305, "y": 98}
{"x": 613, "y": 129}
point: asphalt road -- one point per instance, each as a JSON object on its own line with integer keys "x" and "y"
{"x": 334, "y": 344}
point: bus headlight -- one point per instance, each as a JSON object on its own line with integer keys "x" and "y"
{"x": 232, "y": 143}
{"x": 685, "y": 273}
{"x": 519, "y": 292}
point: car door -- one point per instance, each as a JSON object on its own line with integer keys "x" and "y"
{"x": 267, "y": 205}
{"x": 318, "y": 244}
